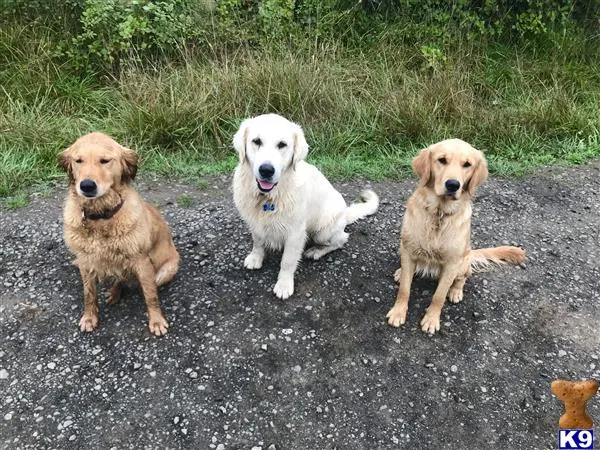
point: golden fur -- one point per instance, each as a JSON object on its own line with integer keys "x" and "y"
{"x": 135, "y": 241}
{"x": 436, "y": 230}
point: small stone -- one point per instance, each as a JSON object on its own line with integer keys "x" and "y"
{"x": 297, "y": 369}
{"x": 263, "y": 347}
{"x": 220, "y": 447}
{"x": 562, "y": 353}
{"x": 8, "y": 416}
{"x": 287, "y": 331}
{"x": 51, "y": 366}
{"x": 3, "y": 374}
{"x": 136, "y": 366}
{"x": 453, "y": 368}
{"x": 67, "y": 423}
{"x": 184, "y": 430}
{"x": 483, "y": 389}
{"x": 175, "y": 420}
{"x": 193, "y": 374}
{"x": 210, "y": 323}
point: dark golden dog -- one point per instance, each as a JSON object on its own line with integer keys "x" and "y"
{"x": 112, "y": 232}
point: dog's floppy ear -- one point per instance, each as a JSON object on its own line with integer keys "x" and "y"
{"x": 421, "y": 164}
{"x": 240, "y": 138}
{"x": 64, "y": 160}
{"x": 479, "y": 175}
{"x": 129, "y": 164}
{"x": 300, "y": 146}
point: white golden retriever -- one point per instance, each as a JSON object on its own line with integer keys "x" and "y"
{"x": 284, "y": 200}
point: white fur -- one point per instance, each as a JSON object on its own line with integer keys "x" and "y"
{"x": 306, "y": 204}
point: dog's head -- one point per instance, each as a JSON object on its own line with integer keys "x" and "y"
{"x": 450, "y": 168}
{"x": 96, "y": 163}
{"x": 271, "y": 145}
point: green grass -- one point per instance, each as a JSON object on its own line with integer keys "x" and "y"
{"x": 185, "y": 201}
{"x": 365, "y": 112}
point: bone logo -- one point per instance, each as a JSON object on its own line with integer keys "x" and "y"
{"x": 576, "y": 425}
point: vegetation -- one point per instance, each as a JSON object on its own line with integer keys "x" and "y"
{"x": 370, "y": 81}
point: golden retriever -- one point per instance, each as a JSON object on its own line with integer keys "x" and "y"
{"x": 111, "y": 231}
{"x": 284, "y": 200}
{"x": 436, "y": 230}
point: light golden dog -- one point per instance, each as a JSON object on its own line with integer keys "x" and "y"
{"x": 436, "y": 230}
{"x": 112, "y": 232}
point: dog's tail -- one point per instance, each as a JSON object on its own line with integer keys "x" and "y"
{"x": 368, "y": 206}
{"x": 485, "y": 258}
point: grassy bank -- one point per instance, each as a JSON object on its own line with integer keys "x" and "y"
{"x": 365, "y": 111}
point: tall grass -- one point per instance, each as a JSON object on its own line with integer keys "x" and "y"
{"x": 365, "y": 110}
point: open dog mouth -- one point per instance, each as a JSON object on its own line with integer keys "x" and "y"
{"x": 265, "y": 186}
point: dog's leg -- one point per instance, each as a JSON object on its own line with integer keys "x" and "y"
{"x": 144, "y": 270}
{"x": 255, "y": 258}
{"x": 397, "y": 315}
{"x": 89, "y": 320}
{"x": 328, "y": 241}
{"x": 431, "y": 320}
{"x": 455, "y": 294}
{"x": 115, "y": 293}
{"x": 292, "y": 252}
{"x": 167, "y": 271}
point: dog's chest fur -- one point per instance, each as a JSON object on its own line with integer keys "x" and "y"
{"x": 109, "y": 248}
{"x": 434, "y": 237}
{"x": 270, "y": 217}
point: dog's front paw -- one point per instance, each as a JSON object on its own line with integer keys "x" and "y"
{"x": 284, "y": 288}
{"x": 253, "y": 261}
{"x": 158, "y": 324}
{"x": 397, "y": 275}
{"x": 431, "y": 322}
{"x": 88, "y": 322}
{"x": 397, "y": 315}
{"x": 455, "y": 295}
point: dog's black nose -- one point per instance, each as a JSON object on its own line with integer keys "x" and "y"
{"x": 266, "y": 170}
{"x": 452, "y": 185}
{"x": 88, "y": 186}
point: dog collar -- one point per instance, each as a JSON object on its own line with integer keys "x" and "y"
{"x": 268, "y": 206}
{"x": 104, "y": 215}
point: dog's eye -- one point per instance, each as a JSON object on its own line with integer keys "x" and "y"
{"x": 443, "y": 161}
{"x": 281, "y": 145}
{"x": 467, "y": 164}
{"x": 257, "y": 142}
{"x": 79, "y": 160}
{"x": 105, "y": 161}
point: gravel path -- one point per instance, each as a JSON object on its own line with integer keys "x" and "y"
{"x": 240, "y": 369}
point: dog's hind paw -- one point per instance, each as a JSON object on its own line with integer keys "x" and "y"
{"x": 455, "y": 295}
{"x": 253, "y": 261}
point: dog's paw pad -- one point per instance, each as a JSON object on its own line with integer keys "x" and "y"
{"x": 397, "y": 315}
{"x": 253, "y": 261}
{"x": 88, "y": 323}
{"x": 284, "y": 289}
{"x": 430, "y": 323}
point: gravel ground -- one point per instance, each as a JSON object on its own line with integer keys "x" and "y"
{"x": 240, "y": 369}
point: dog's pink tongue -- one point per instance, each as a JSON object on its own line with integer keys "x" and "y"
{"x": 265, "y": 185}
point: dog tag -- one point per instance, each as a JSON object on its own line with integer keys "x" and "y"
{"x": 268, "y": 206}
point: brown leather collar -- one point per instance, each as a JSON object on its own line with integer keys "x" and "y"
{"x": 104, "y": 215}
